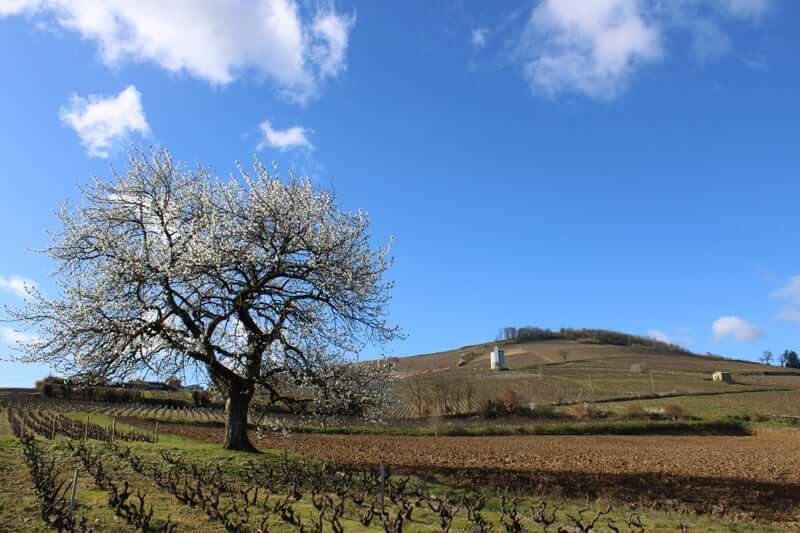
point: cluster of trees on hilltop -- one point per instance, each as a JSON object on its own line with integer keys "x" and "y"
{"x": 788, "y": 359}
{"x": 597, "y": 336}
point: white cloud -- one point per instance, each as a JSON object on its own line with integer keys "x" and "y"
{"x": 212, "y": 40}
{"x": 659, "y": 335}
{"x": 791, "y": 293}
{"x": 11, "y": 337}
{"x": 587, "y": 47}
{"x": 16, "y": 7}
{"x": 594, "y": 48}
{"x": 294, "y": 137}
{"x": 332, "y": 33}
{"x": 680, "y": 336}
{"x": 17, "y": 285}
{"x": 734, "y": 326}
{"x": 103, "y": 122}
{"x": 479, "y": 36}
{"x": 789, "y": 314}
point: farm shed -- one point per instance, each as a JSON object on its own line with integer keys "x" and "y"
{"x": 722, "y": 377}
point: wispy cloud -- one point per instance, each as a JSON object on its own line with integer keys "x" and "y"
{"x": 789, "y": 314}
{"x": 104, "y": 122}
{"x": 739, "y": 329}
{"x": 12, "y": 337}
{"x": 659, "y": 336}
{"x": 295, "y": 44}
{"x": 286, "y": 139}
{"x": 17, "y": 285}
{"x": 680, "y": 336}
{"x": 479, "y": 36}
{"x": 790, "y": 293}
{"x": 755, "y": 63}
{"x": 746, "y": 9}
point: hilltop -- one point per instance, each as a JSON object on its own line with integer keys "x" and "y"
{"x": 574, "y": 368}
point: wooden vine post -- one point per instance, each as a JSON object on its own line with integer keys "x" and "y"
{"x": 156, "y": 431}
{"x": 383, "y": 483}
{"x": 74, "y": 491}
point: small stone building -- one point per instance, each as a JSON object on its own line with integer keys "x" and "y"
{"x": 722, "y": 377}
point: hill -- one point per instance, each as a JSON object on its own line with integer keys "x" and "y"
{"x": 565, "y": 371}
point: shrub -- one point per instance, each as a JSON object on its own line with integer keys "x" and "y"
{"x": 635, "y": 411}
{"x": 674, "y": 411}
{"x": 510, "y": 401}
{"x": 543, "y": 410}
{"x": 425, "y": 410}
{"x": 492, "y": 409}
{"x": 591, "y": 411}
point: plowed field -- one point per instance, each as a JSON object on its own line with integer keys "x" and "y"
{"x": 755, "y": 477}
{"x": 772, "y": 455}
{"x": 747, "y": 478}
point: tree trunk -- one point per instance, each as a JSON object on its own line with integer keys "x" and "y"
{"x": 236, "y": 420}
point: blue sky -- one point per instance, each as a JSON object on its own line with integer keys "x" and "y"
{"x": 623, "y": 164}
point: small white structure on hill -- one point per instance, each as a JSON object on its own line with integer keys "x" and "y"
{"x": 722, "y": 377}
{"x": 497, "y": 359}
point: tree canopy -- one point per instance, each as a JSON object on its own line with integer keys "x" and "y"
{"x": 259, "y": 281}
{"x": 790, "y": 359}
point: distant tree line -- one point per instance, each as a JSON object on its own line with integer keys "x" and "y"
{"x": 788, "y": 359}
{"x": 595, "y": 336}
{"x": 57, "y": 387}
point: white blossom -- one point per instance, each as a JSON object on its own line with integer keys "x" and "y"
{"x": 262, "y": 282}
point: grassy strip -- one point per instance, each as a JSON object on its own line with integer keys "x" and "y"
{"x": 731, "y": 426}
{"x": 667, "y": 395}
{"x": 725, "y": 426}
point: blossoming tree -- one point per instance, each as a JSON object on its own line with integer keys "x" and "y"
{"x": 263, "y": 283}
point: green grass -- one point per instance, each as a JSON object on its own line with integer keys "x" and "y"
{"x": 19, "y": 504}
{"x": 724, "y": 426}
{"x": 752, "y": 404}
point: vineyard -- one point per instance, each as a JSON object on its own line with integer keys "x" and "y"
{"x": 135, "y": 475}
{"x": 565, "y": 373}
{"x": 571, "y": 438}
{"x": 92, "y": 472}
